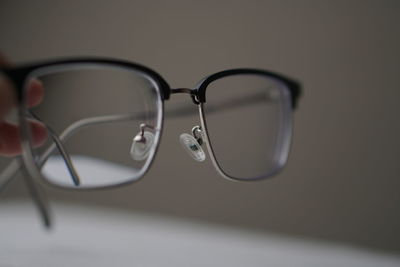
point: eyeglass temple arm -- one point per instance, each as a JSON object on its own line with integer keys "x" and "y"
{"x": 37, "y": 195}
{"x": 39, "y": 198}
{"x": 10, "y": 171}
{"x": 63, "y": 151}
{"x": 70, "y": 130}
{"x": 34, "y": 189}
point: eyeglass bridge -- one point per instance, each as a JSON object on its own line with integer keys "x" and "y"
{"x": 191, "y": 92}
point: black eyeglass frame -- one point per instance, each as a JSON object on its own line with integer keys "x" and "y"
{"x": 18, "y": 75}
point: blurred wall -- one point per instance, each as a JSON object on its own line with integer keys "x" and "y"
{"x": 342, "y": 180}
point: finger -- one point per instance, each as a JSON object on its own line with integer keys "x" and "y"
{"x": 4, "y": 62}
{"x": 35, "y": 93}
{"x": 7, "y": 98}
{"x": 10, "y": 140}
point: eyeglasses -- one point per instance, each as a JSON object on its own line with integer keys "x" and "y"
{"x": 104, "y": 119}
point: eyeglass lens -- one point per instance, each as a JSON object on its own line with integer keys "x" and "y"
{"x": 103, "y": 122}
{"x": 248, "y": 120}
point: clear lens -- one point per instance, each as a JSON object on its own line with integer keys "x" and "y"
{"x": 93, "y": 113}
{"x": 248, "y": 122}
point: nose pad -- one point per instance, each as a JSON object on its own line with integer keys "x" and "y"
{"x": 141, "y": 144}
{"x": 192, "y": 144}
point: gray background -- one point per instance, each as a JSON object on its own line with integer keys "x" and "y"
{"x": 342, "y": 180}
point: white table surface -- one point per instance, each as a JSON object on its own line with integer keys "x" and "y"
{"x": 88, "y": 236}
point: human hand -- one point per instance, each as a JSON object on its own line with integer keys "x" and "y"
{"x": 10, "y": 141}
